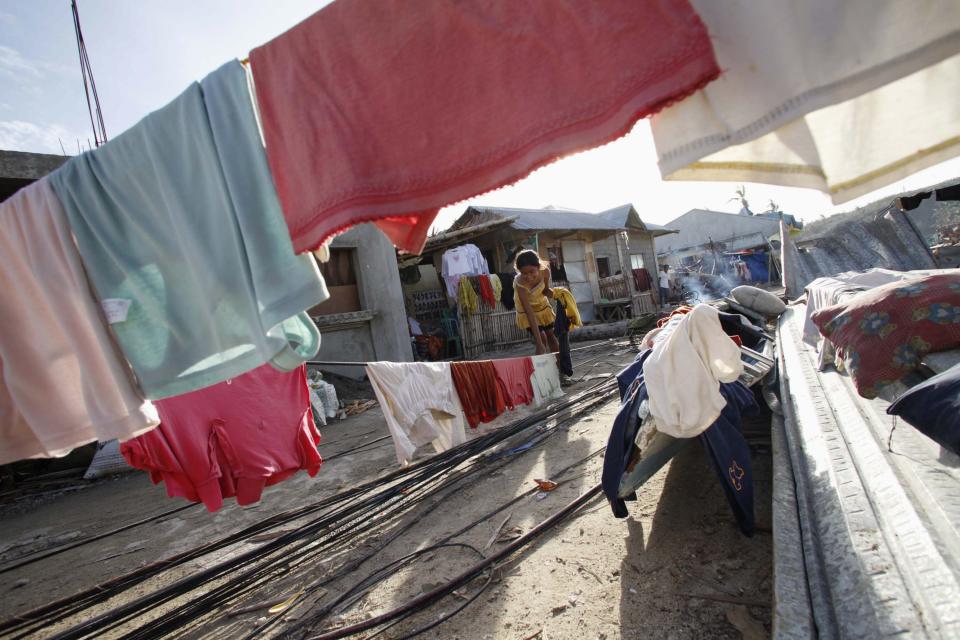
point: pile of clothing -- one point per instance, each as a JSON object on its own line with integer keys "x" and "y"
{"x": 684, "y": 384}
{"x": 431, "y": 402}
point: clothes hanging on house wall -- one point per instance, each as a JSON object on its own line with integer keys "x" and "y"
{"x": 514, "y": 376}
{"x": 182, "y": 235}
{"x": 545, "y": 379}
{"x": 420, "y": 139}
{"x": 480, "y": 393}
{"x": 467, "y": 296}
{"x": 497, "y": 286}
{"x": 506, "y": 296}
{"x": 486, "y": 291}
{"x": 420, "y": 405}
{"x": 695, "y": 356}
{"x": 465, "y": 260}
{"x": 63, "y": 382}
{"x": 822, "y": 105}
{"x": 231, "y": 439}
{"x": 643, "y": 279}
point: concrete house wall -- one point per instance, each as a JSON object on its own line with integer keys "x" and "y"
{"x": 385, "y": 335}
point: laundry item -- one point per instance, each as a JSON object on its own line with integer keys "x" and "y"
{"x": 486, "y": 291}
{"x": 231, "y": 439}
{"x": 820, "y": 105}
{"x": 883, "y": 334}
{"x": 62, "y": 381}
{"x": 737, "y": 325}
{"x": 561, "y": 329}
{"x": 569, "y": 305}
{"x": 728, "y": 453}
{"x": 545, "y": 379}
{"x": 821, "y": 293}
{"x": 695, "y": 356}
{"x": 642, "y": 279}
{"x": 465, "y": 260}
{"x": 933, "y": 407}
{"x": 542, "y": 309}
{"x": 181, "y": 233}
{"x": 497, "y": 286}
{"x": 420, "y": 139}
{"x": 507, "y": 295}
{"x": 514, "y": 375}
{"x": 616, "y": 457}
{"x": 480, "y": 393}
{"x": 420, "y": 405}
{"x": 467, "y": 296}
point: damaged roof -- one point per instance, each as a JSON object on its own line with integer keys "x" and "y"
{"x": 557, "y": 219}
{"x": 698, "y": 227}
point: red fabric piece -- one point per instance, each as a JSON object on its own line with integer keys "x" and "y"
{"x": 480, "y": 392}
{"x": 486, "y": 291}
{"x": 679, "y": 311}
{"x": 643, "y": 279}
{"x": 882, "y": 334}
{"x": 231, "y": 439}
{"x": 514, "y": 376}
{"x": 388, "y": 110}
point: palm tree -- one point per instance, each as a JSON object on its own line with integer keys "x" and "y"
{"x": 741, "y": 196}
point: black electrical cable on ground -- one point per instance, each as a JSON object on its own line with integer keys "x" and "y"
{"x": 480, "y": 520}
{"x": 43, "y": 555}
{"x": 347, "y": 505}
{"x": 125, "y": 612}
{"x": 175, "y": 619}
{"x": 424, "y": 600}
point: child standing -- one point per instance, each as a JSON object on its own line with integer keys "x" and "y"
{"x": 532, "y": 295}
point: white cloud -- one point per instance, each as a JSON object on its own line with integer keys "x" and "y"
{"x": 13, "y": 64}
{"x": 19, "y": 135}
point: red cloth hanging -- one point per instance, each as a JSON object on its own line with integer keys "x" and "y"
{"x": 643, "y": 279}
{"x": 231, "y": 439}
{"x": 480, "y": 392}
{"x": 486, "y": 291}
{"x": 386, "y": 111}
{"x": 514, "y": 377}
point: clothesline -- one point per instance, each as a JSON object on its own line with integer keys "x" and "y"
{"x": 330, "y": 363}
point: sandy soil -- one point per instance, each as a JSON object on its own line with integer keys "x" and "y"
{"x": 676, "y": 568}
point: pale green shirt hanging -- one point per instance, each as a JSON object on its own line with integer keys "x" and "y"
{"x": 179, "y": 227}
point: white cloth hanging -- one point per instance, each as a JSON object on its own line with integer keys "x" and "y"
{"x": 806, "y": 97}
{"x": 420, "y": 405}
{"x": 545, "y": 379}
{"x": 465, "y": 260}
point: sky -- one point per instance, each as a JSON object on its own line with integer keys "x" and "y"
{"x": 144, "y": 54}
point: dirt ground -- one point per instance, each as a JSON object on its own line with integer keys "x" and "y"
{"x": 677, "y": 567}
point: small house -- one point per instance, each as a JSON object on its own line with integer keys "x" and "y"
{"x": 606, "y": 259}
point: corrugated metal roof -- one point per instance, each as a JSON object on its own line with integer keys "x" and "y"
{"x": 550, "y": 219}
{"x": 698, "y": 227}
